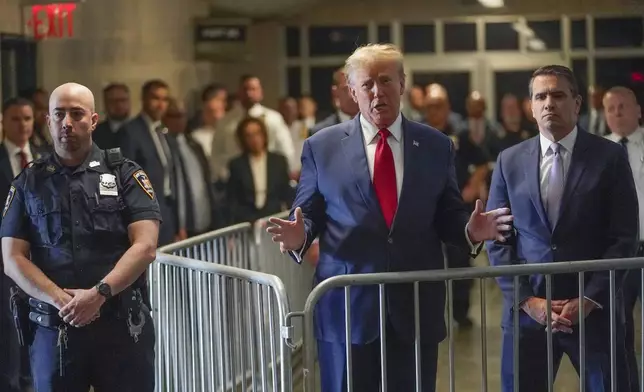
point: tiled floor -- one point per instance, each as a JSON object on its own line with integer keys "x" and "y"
{"x": 468, "y": 357}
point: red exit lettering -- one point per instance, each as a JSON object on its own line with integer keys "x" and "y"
{"x": 52, "y": 20}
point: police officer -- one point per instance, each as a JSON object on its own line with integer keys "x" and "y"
{"x": 79, "y": 230}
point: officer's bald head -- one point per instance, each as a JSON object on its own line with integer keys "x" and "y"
{"x": 72, "y": 119}
{"x": 72, "y": 92}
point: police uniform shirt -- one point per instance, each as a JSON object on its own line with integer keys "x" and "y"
{"x": 635, "y": 149}
{"x": 76, "y": 218}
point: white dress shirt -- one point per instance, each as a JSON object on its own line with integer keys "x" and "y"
{"x": 14, "y": 155}
{"x": 258, "y": 168}
{"x": 204, "y": 136}
{"x": 567, "y": 146}
{"x": 225, "y": 145}
{"x": 371, "y": 137}
{"x": 635, "y": 148}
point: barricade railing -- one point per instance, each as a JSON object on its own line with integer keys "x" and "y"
{"x": 298, "y": 279}
{"x": 417, "y": 278}
{"x": 231, "y": 246}
{"x": 218, "y": 327}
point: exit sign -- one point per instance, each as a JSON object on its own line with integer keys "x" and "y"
{"x": 52, "y": 20}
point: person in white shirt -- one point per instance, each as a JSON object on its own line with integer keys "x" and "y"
{"x": 213, "y": 108}
{"x": 622, "y": 115}
{"x": 225, "y": 145}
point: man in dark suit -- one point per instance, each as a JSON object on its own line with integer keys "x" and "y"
{"x": 346, "y": 107}
{"x": 381, "y": 192}
{"x": 15, "y": 153}
{"x": 144, "y": 141}
{"x": 116, "y": 99}
{"x": 573, "y": 198}
{"x": 594, "y": 121}
{"x": 197, "y": 209}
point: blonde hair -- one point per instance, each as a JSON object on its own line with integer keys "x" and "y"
{"x": 368, "y": 54}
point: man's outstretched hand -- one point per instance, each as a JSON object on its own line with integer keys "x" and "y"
{"x": 289, "y": 234}
{"x": 490, "y": 225}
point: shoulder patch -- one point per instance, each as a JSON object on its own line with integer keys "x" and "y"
{"x": 7, "y": 204}
{"x": 144, "y": 182}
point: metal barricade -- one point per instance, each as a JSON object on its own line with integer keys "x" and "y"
{"x": 482, "y": 273}
{"x": 218, "y": 327}
{"x": 298, "y": 279}
{"x": 229, "y": 246}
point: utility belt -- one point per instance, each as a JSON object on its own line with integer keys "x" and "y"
{"x": 128, "y": 305}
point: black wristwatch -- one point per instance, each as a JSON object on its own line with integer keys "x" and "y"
{"x": 104, "y": 289}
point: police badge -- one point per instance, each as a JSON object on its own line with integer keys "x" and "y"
{"x": 144, "y": 182}
{"x": 107, "y": 185}
{"x": 7, "y": 204}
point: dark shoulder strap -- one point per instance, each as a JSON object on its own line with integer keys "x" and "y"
{"x": 114, "y": 158}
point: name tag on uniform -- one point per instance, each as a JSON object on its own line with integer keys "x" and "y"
{"x": 107, "y": 185}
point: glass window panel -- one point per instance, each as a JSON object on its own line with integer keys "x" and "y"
{"x": 459, "y": 37}
{"x": 294, "y": 76}
{"x": 628, "y": 72}
{"x": 336, "y": 41}
{"x": 548, "y": 32}
{"x": 293, "y": 41}
{"x": 321, "y": 82}
{"x": 419, "y": 38}
{"x": 618, "y": 32}
{"x": 384, "y": 34}
{"x": 580, "y": 69}
{"x": 578, "y": 34}
{"x": 501, "y": 36}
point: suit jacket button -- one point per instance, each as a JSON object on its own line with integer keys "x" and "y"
{"x": 390, "y": 240}
{"x": 553, "y": 247}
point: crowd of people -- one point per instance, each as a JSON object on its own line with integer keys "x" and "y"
{"x": 370, "y": 190}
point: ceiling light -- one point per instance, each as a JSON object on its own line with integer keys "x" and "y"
{"x": 491, "y": 3}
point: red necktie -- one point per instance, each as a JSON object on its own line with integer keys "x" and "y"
{"x": 23, "y": 159}
{"x": 384, "y": 177}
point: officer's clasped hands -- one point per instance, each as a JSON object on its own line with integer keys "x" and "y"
{"x": 84, "y": 307}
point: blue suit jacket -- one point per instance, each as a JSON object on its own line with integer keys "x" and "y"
{"x": 339, "y": 204}
{"x": 598, "y": 219}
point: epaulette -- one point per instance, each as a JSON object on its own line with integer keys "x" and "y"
{"x": 114, "y": 157}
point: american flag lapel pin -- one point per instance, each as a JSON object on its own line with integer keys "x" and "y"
{"x": 415, "y": 143}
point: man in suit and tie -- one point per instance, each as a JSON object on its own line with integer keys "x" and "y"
{"x": 346, "y": 107}
{"x": 622, "y": 115}
{"x": 144, "y": 141}
{"x": 116, "y": 98}
{"x": 15, "y": 153}
{"x": 573, "y": 198}
{"x": 594, "y": 121}
{"x": 381, "y": 193}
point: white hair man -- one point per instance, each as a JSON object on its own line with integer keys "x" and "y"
{"x": 354, "y": 177}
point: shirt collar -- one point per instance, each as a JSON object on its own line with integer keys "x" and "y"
{"x": 635, "y": 137}
{"x": 568, "y": 142}
{"x": 257, "y": 110}
{"x": 370, "y": 131}
{"x": 13, "y": 149}
{"x": 342, "y": 116}
{"x": 94, "y": 161}
{"x": 152, "y": 124}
